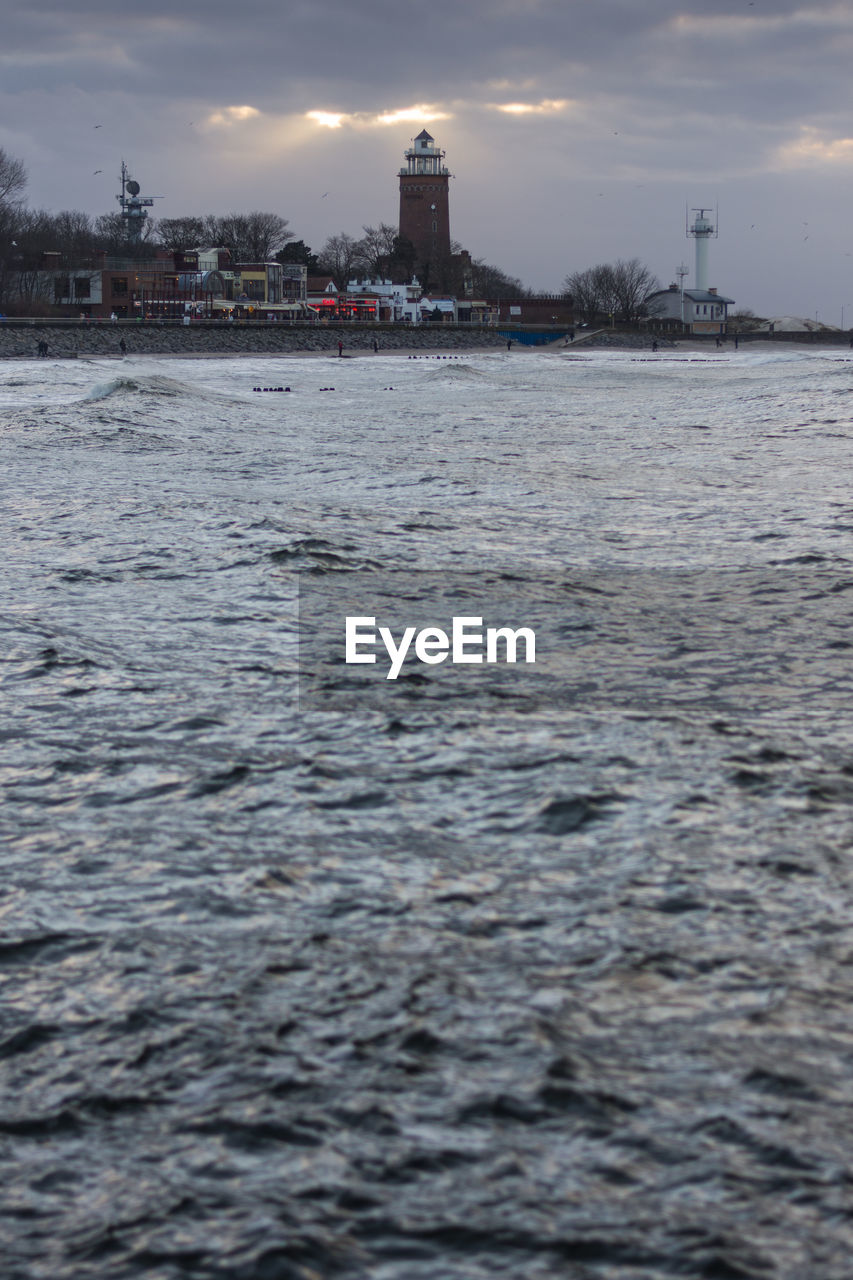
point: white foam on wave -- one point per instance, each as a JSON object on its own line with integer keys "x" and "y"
{"x": 156, "y": 385}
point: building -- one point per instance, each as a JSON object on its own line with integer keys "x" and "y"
{"x": 700, "y": 309}
{"x": 425, "y": 204}
{"x": 425, "y": 220}
{"x": 164, "y": 287}
{"x": 547, "y": 309}
{"x": 294, "y": 282}
{"x": 689, "y": 310}
{"x": 395, "y": 303}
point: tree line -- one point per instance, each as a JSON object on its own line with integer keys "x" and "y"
{"x": 616, "y": 291}
{"x": 77, "y": 239}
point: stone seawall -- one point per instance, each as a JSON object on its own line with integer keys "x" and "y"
{"x": 99, "y": 339}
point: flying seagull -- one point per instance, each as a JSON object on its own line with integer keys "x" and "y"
{"x": 97, "y": 171}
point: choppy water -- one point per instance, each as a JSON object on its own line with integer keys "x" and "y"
{"x": 486, "y": 980}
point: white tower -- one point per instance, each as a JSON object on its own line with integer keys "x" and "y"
{"x": 702, "y": 230}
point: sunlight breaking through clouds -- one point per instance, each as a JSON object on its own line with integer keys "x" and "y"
{"x": 548, "y": 106}
{"x": 328, "y": 119}
{"x": 421, "y": 113}
{"x": 813, "y": 148}
{"x": 232, "y": 115}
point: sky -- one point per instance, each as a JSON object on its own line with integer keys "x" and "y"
{"x": 577, "y": 131}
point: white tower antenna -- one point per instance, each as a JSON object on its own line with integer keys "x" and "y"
{"x": 702, "y": 230}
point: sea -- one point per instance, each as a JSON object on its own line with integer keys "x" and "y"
{"x": 489, "y": 970}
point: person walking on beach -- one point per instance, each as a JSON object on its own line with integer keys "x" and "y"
{"x": 375, "y": 346}
{"x": 340, "y": 347}
{"x": 122, "y": 346}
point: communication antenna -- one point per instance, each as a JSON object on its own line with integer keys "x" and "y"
{"x": 134, "y": 207}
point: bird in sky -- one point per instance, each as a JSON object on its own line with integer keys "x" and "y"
{"x": 97, "y": 126}
{"x": 97, "y": 171}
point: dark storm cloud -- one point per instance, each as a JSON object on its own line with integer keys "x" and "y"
{"x": 771, "y": 51}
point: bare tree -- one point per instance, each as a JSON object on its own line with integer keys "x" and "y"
{"x": 26, "y": 287}
{"x": 616, "y": 290}
{"x": 491, "y": 282}
{"x": 586, "y": 290}
{"x": 13, "y": 179}
{"x": 608, "y": 293}
{"x": 379, "y": 245}
{"x": 632, "y": 284}
{"x": 178, "y": 234}
{"x": 343, "y": 258}
{"x": 111, "y": 234}
{"x": 71, "y": 234}
{"x": 251, "y": 237}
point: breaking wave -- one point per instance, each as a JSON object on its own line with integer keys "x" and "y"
{"x": 155, "y": 385}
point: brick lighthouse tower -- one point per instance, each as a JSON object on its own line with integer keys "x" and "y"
{"x": 425, "y": 207}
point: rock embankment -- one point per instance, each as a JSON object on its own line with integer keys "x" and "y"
{"x": 99, "y": 339}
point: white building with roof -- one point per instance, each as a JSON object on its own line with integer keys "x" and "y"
{"x": 692, "y": 310}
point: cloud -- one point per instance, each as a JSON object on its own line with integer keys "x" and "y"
{"x": 328, "y": 119}
{"x": 420, "y": 113}
{"x": 740, "y": 25}
{"x": 811, "y": 149}
{"x": 232, "y": 115}
{"x": 548, "y": 106}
